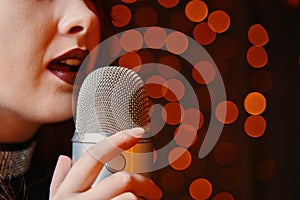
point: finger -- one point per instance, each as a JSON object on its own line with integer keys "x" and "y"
{"x": 86, "y": 169}
{"x": 126, "y": 196}
{"x": 122, "y": 182}
{"x": 62, "y": 168}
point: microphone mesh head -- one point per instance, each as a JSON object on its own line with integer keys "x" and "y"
{"x": 112, "y": 99}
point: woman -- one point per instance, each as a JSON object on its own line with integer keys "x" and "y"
{"x": 42, "y": 43}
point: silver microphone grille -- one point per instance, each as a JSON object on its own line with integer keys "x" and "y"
{"x": 112, "y": 99}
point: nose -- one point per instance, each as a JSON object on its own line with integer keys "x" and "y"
{"x": 78, "y": 18}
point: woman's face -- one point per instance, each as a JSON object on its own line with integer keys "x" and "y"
{"x": 41, "y": 43}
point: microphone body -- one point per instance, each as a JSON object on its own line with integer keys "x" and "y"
{"x": 112, "y": 99}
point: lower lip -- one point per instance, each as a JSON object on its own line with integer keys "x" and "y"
{"x": 63, "y": 74}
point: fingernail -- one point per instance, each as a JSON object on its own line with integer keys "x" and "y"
{"x": 135, "y": 132}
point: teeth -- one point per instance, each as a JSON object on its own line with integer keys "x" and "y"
{"x": 71, "y": 62}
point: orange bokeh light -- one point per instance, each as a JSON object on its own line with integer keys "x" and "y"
{"x": 225, "y": 153}
{"x": 121, "y": 15}
{"x": 177, "y": 42}
{"x": 218, "y": 21}
{"x": 193, "y": 117}
{"x": 200, "y": 189}
{"x": 257, "y": 56}
{"x": 255, "y": 103}
{"x": 223, "y": 196}
{"x": 204, "y": 72}
{"x": 168, "y": 3}
{"x": 258, "y": 35}
{"x": 173, "y": 113}
{"x": 227, "y": 112}
{"x": 129, "y": 1}
{"x": 154, "y": 86}
{"x": 114, "y": 46}
{"x": 196, "y": 10}
{"x": 180, "y": 158}
{"x": 255, "y": 126}
{"x": 185, "y": 135}
{"x": 173, "y": 90}
{"x": 155, "y": 37}
{"x": 131, "y": 40}
{"x": 203, "y": 34}
{"x": 130, "y": 60}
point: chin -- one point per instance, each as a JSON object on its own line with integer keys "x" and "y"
{"x": 54, "y": 116}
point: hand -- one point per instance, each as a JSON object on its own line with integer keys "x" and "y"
{"x": 74, "y": 182}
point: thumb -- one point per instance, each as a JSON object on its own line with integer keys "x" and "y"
{"x": 62, "y": 168}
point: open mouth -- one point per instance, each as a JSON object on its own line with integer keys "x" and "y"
{"x": 66, "y": 67}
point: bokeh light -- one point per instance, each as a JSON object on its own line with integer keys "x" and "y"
{"x": 130, "y": 60}
{"x": 255, "y": 126}
{"x": 293, "y": 3}
{"x": 173, "y": 90}
{"x": 154, "y": 86}
{"x": 177, "y": 42}
{"x": 255, "y": 103}
{"x": 257, "y": 56}
{"x": 168, "y": 3}
{"x": 131, "y": 40}
{"x": 196, "y": 10}
{"x": 218, "y": 21}
{"x": 258, "y": 35}
{"x": 121, "y": 15}
{"x": 262, "y": 80}
{"x": 223, "y": 196}
{"x": 157, "y": 123}
{"x": 129, "y": 1}
{"x": 225, "y": 153}
{"x": 155, "y": 37}
{"x": 203, "y": 34}
{"x": 145, "y": 16}
{"x": 227, "y": 112}
{"x": 193, "y": 117}
{"x": 114, "y": 46}
{"x": 200, "y": 189}
{"x": 265, "y": 169}
{"x": 185, "y": 135}
{"x": 204, "y": 72}
{"x": 180, "y": 158}
{"x": 173, "y": 113}
{"x": 231, "y": 39}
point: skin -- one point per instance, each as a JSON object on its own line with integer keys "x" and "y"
{"x": 32, "y": 33}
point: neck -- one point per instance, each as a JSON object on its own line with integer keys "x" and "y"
{"x": 15, "y": 129}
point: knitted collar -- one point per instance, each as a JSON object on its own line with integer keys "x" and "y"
{"x": 15, "y": 158}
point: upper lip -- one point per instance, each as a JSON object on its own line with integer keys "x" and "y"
{"x": 75, "y": 54}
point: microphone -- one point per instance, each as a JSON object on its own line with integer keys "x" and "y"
{"x": 112, "y": 99}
